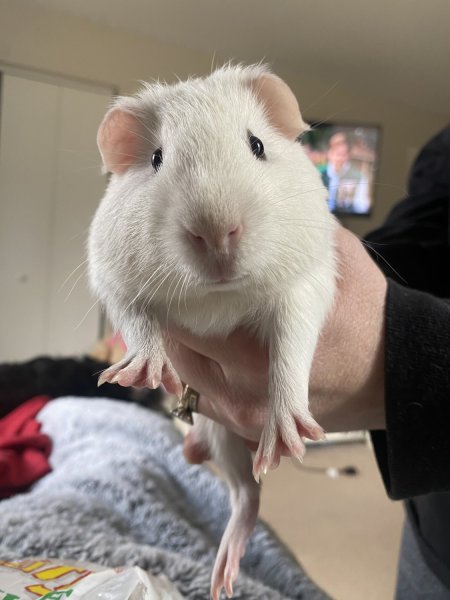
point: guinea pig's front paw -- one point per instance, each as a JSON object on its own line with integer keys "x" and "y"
{"x": 284, "y": 430}
{"x": 139, "y": 370}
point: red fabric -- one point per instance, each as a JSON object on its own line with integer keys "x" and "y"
{"x": 23, "y": 449}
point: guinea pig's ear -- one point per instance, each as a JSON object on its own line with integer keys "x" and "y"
{"x": 280, "y": 103}
{"x": 119, "y": 140}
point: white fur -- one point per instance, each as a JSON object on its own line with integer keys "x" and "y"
{"x": 146, "y": 271}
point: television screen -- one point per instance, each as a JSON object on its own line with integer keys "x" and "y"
{"x": 347, "y": 159}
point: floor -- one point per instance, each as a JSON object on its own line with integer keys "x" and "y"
{"x": 344, "y": 531}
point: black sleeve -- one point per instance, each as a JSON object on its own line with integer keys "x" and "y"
{"x": 414, "y": 452}
{"x": 413, "y": 244}
{"x": 412, "y": 247}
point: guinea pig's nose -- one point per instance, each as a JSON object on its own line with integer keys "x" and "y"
{"x": 225, "y": 239}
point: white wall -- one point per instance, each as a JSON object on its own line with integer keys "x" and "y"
{"x": 46, "y": 40}
{"x": 50, "y": 183}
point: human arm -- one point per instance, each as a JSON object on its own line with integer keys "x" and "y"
{"x": 346, "y": 387}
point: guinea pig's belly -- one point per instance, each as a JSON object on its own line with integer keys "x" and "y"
{"x": 209, "y": 315}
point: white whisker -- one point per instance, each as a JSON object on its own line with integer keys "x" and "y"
{"x": 184, "y": 284}
{"x": 367, "y": 245}
{"x": 86, "y": 314}
{"x": 180, "y": 279}
{"x": 142, "y": 288}
{"x": 324, "y": 95}
{"x": 71, "y": 274}
{"x": 74, "y": 286}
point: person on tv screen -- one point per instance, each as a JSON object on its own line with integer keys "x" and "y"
{"x": 348, "y": 188}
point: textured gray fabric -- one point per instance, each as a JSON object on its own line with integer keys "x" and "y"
{"x": 120, "y": 493}
{"x": 415, "y": 580}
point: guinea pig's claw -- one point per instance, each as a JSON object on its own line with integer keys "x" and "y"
{"x": 110, "y": 375}
{"x": 140, "y": 371}
{"x": 101, "y": 380}
{"x": 171, "y": 380}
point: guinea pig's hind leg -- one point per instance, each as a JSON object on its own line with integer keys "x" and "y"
{"x": 233, "y": 458}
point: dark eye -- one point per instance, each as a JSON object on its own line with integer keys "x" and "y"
{"x": 257, "y": 146}
{"x": 157, "y": 159}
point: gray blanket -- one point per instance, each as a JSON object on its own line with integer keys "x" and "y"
{"x": 120, "y": 493}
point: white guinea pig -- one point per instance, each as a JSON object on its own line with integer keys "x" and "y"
{"x": 214, "y": 218}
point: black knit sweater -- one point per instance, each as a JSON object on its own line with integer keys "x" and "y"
{"x": 414, "y": 452}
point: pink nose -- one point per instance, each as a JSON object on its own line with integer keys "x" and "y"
{"x": 207, "y": 240}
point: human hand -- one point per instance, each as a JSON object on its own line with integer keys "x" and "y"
{"x": 347, "y": 377}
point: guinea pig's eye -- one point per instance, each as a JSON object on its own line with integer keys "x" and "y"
{"x": 257, "y": 146}
{"x": 157, "y": 159}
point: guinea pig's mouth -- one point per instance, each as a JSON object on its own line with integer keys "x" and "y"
{"x": 225, "y": 282}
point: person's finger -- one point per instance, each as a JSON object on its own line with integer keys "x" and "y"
{"x": 198, "y": 372}
{"x": 206, "y": 346}
{"x": 251, "y": 445}
{"x": 238, "y": 343}
{"x": 194, "y": 452}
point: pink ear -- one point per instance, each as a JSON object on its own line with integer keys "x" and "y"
{"x": 119, "y": 140}
{"x": 281, "y": 105}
